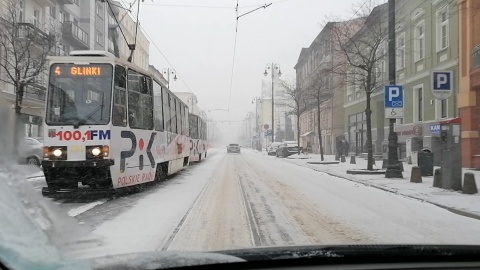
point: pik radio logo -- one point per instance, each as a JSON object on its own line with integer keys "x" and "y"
{"x": 124, "y": 155}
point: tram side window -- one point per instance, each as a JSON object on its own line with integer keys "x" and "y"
{"x": 173, "y": 115}
{"x": 178, "y": 110}
{"x": 193, "y": 121}
{"x": 166, "y": 110}
{"x": 157, "y": 98}
{"x": 140, "y": 100}
{"x": 119, "y": 115}
{"x": 185, "y": 120}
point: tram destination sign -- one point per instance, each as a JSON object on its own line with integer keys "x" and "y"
{"x": 74, "y": 70}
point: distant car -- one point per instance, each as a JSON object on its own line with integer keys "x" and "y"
{"x": 272, "y": 148}
{"x": 287, "y": 149}
{"x": 233, "y": 148}
{"x": 31, "y": 151}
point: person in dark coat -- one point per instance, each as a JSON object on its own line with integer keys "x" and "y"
{"x": 346, "y": 148}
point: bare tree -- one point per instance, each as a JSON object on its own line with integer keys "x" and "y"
{"x": 320, "y": 91}
{"x": 362, "y": 43}
{"x": 24, "y": 49}
{"x": 299, "y": 104}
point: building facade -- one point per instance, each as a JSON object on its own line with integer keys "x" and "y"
{"x": 469, "y": 82}
{"x": 425, "y": 42}
{"x": 427, "y": 38}
{"x": 315, "y": 77}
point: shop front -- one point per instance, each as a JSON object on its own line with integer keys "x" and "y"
{"x": 414, "y": 137}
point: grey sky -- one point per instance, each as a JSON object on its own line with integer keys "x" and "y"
{"x": 199, "y": 43}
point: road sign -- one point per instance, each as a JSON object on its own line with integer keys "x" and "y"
{"x": 393, "y": 101}
{"x": 442, "y": 84}
{"x": 268, "y": 133}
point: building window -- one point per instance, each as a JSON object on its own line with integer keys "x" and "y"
{"x": 36, "y": 17}
{"x": 418, "y": 103}
{"x": 401, "y": 51}
{"x": 441, "y": 108}
{"x": 419, "y": 45}
{"x": 20, "y": 11}
{"x": 99, "y": 10}
{"x": 442, "y": 28}
{"x": 99, "y": 37}
{"x": 53, "y": 11}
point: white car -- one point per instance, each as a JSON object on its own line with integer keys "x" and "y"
{"x": 272, "y": 148}
{"x": 31, "y": 151}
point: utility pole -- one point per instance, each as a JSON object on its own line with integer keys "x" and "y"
{"x": 393, "y": 168}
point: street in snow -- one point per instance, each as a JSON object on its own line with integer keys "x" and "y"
{"x": 231, "y": 201}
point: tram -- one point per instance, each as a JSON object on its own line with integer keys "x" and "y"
{"x": 198, "y": 138}
{"x": 110, "y": 125}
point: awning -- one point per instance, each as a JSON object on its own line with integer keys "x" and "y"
{"x": 308, "y": 134}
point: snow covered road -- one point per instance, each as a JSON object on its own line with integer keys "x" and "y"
{"x": 231, "y": 201}
{"x": 256, "y": 200}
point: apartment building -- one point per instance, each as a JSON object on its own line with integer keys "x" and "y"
{"x": 314, "y": 75}
{"x": 74, "y": 25}
{"x": 427, "y": 40}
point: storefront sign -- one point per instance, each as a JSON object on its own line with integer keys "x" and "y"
{"x": 435, "y": 129}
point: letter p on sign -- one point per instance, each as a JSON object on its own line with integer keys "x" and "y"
{"x": 394, "y": 93}
{"x": 442, "y": 79}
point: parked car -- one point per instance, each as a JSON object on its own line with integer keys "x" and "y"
{"x": 31, "y": 150}
{"x": 272, "y": 148}
{"x": 287, "y": 149}
{"x": 233, "y": 148}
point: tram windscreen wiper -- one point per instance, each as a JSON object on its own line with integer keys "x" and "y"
{"x": 83, "y": 120}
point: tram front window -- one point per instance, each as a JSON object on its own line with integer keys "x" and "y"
{"x": 79, "y": 94}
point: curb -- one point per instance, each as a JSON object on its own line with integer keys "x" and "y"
{"x": 451, "y": 209}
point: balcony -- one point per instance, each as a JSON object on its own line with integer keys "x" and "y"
{"x": 76, "y": 35}
{"x": 35, "y": 34}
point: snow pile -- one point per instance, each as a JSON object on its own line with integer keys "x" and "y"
{"x": 298, "y": 156}
{"x": 424, "y": 191}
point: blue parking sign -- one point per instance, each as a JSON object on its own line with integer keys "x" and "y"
{"x": 393, "y": 101}
{"x": 393, "y": 96}
{"x": 442, "y": 84}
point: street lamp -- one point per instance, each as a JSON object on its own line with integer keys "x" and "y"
{"x": 258, "y": 145}
{"x": 272, "y": 68}
{"x": 168, "y": 71}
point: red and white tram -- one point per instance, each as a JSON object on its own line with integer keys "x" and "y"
{"x": 110, "y": 125}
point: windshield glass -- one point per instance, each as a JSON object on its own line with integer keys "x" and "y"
{"x": 356, "y": 122}
{"x": 79, "y": 93}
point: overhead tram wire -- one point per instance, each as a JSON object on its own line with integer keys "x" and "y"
{"x": 158, "y": 49}
{"x": 237, "y": 17}
{"x": 233, "y": 60}
{"x": 116, "y": 20}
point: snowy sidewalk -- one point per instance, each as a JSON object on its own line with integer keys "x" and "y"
{"x": 455, "y": 201}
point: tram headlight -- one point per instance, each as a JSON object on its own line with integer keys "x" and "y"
{"x": 97, "y": 151}
{"x": 57, "y": 153}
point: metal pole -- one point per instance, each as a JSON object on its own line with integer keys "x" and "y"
{"x": 168, "y": 78}
{"x": 257, "y": 134}
{"x": 273, "y": 125}
{"x": 393, "y": 168}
